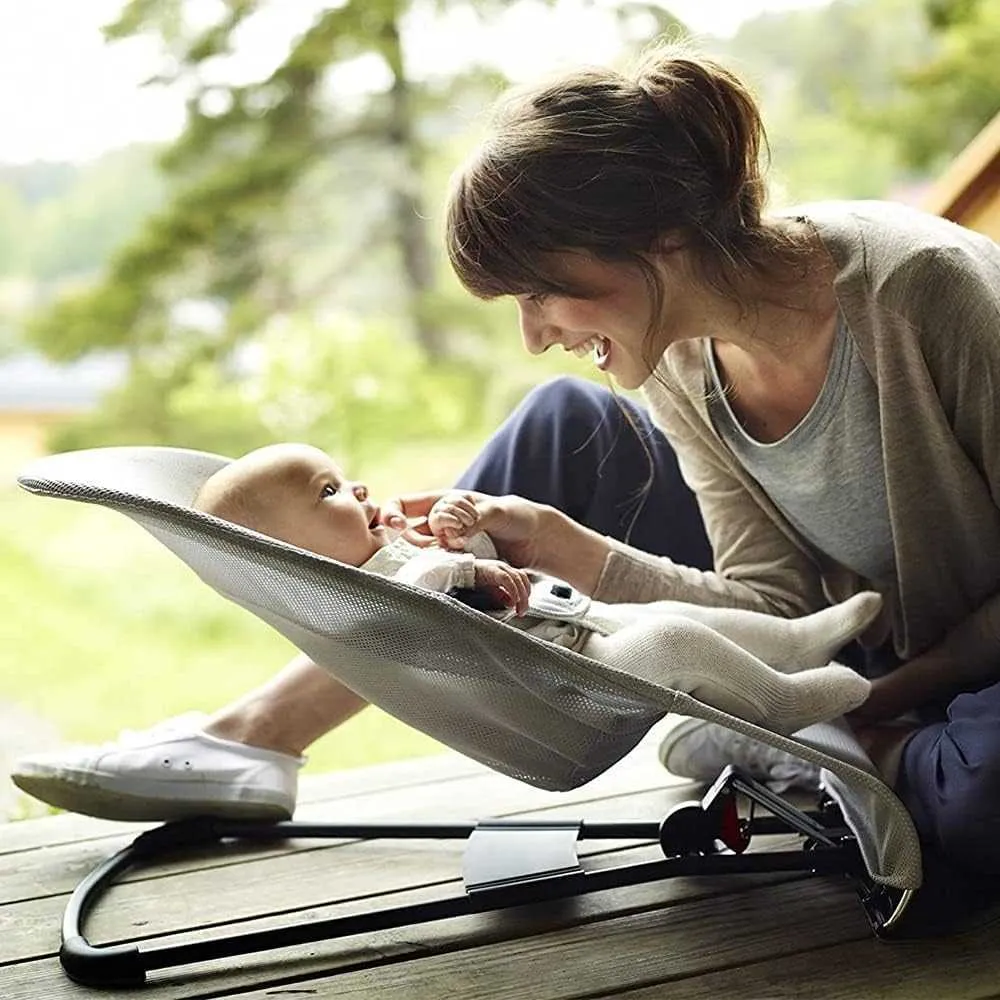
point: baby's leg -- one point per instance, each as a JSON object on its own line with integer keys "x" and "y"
{"x": 679, "y": 653}
{"x": 787, "y": 644}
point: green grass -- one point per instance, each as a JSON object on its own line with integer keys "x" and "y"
{"x": 103, "y": 629}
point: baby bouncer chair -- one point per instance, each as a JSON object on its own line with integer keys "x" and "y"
{"x": 529, "y": 709}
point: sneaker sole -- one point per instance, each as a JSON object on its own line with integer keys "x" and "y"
{"x": 106, "y": 803}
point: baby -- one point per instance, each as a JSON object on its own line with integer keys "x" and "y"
{"x": 725, "y": 657}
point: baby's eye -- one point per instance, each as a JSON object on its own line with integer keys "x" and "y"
{"x": 329, "y": 490}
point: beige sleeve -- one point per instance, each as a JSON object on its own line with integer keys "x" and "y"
{"x": 952, "y": 298}
{"x": 758, "y": 565}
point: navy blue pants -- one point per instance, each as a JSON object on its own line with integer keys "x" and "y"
{"x": 949, "y": 778}
{"x": 569, "y": 445}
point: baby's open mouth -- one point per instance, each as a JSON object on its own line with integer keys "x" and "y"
{"x": 376, "y": 520}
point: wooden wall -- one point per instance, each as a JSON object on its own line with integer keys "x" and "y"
{"x": 968, "y": 192}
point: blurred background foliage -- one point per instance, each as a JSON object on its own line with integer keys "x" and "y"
{"x": 290, "y": 213}
{"x": 276, "y": 272}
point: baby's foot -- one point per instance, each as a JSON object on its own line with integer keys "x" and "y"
{"x": 817, "y": 695}
{"x": 814, "y": 640}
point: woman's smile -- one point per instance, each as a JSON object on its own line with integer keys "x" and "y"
{"x": 602, "y": 353}
{"x": 609, "y": 320}
{"x": 597, "y": 348}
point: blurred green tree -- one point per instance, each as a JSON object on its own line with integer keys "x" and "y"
{"x": 822, "y": 73}
{"x": 956, "y": 92}
{"x": 246, "y": 151}
{"x": 287, "y": 195}
{"x": 13, "y": 215}
{"x": 244, "y": 177}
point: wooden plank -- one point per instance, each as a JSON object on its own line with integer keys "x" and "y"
{"x": 964, "y": 966}
{"x": 619, "y": 954}
{"x": 285, "y": 886}
{"x": 195, "y": 892}
{"x": 291, "y": 969}
{"x": 363, "y": 880}
{"x": 191, "y": 895}
{"x": 57, "y": 867}
{"x": 972, "y": 171}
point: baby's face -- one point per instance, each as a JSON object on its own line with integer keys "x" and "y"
{"x": 311, "y": 503}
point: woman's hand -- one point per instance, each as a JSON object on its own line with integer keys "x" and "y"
{"x": 881, "y": 704}
{"x": 513, "y": 523}
{"x": 525, "y": 534}
{"x": 503, "y": 582}
{"x": 408, "y": 513}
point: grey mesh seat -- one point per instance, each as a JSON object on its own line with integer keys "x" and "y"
{"x": 526, "y": 708}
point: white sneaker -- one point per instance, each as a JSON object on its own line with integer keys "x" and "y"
{"x": 699, "y": 750}
{"x": 168, "y": 772}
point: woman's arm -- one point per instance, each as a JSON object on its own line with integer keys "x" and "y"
{"x": 526, "y": 534}
{"x": 546, "y": 539}
{"x": 967, "y": 659}
{"x": 538, "y": 536}
{"x": 951, "y": 297}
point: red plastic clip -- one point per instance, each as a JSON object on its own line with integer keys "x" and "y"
{"x": 733, "y": 831}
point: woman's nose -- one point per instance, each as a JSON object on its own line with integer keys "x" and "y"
{"x": 538, "y": 336}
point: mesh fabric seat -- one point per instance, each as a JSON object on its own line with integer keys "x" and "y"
{"x": 529, "y": 709}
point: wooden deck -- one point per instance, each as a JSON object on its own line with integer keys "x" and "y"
{"x": 744, "y": 936}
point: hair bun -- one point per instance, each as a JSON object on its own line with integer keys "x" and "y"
{"x": 715, "y": 113}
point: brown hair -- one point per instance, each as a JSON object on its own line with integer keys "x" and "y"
{"x": 610, "y": 164}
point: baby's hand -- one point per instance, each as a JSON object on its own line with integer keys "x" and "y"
{"x": 508, "y": 585}
{"x": 452, "y": 519}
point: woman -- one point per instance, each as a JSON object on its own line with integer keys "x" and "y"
{"x": 827, "y": 380}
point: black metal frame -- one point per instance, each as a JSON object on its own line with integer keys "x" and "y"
{"x": 505, "y": 863}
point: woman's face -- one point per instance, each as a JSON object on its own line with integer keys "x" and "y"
{"x": 612, "y": 324}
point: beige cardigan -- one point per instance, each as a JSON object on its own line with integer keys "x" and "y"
{"x": 921, "y": 297}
